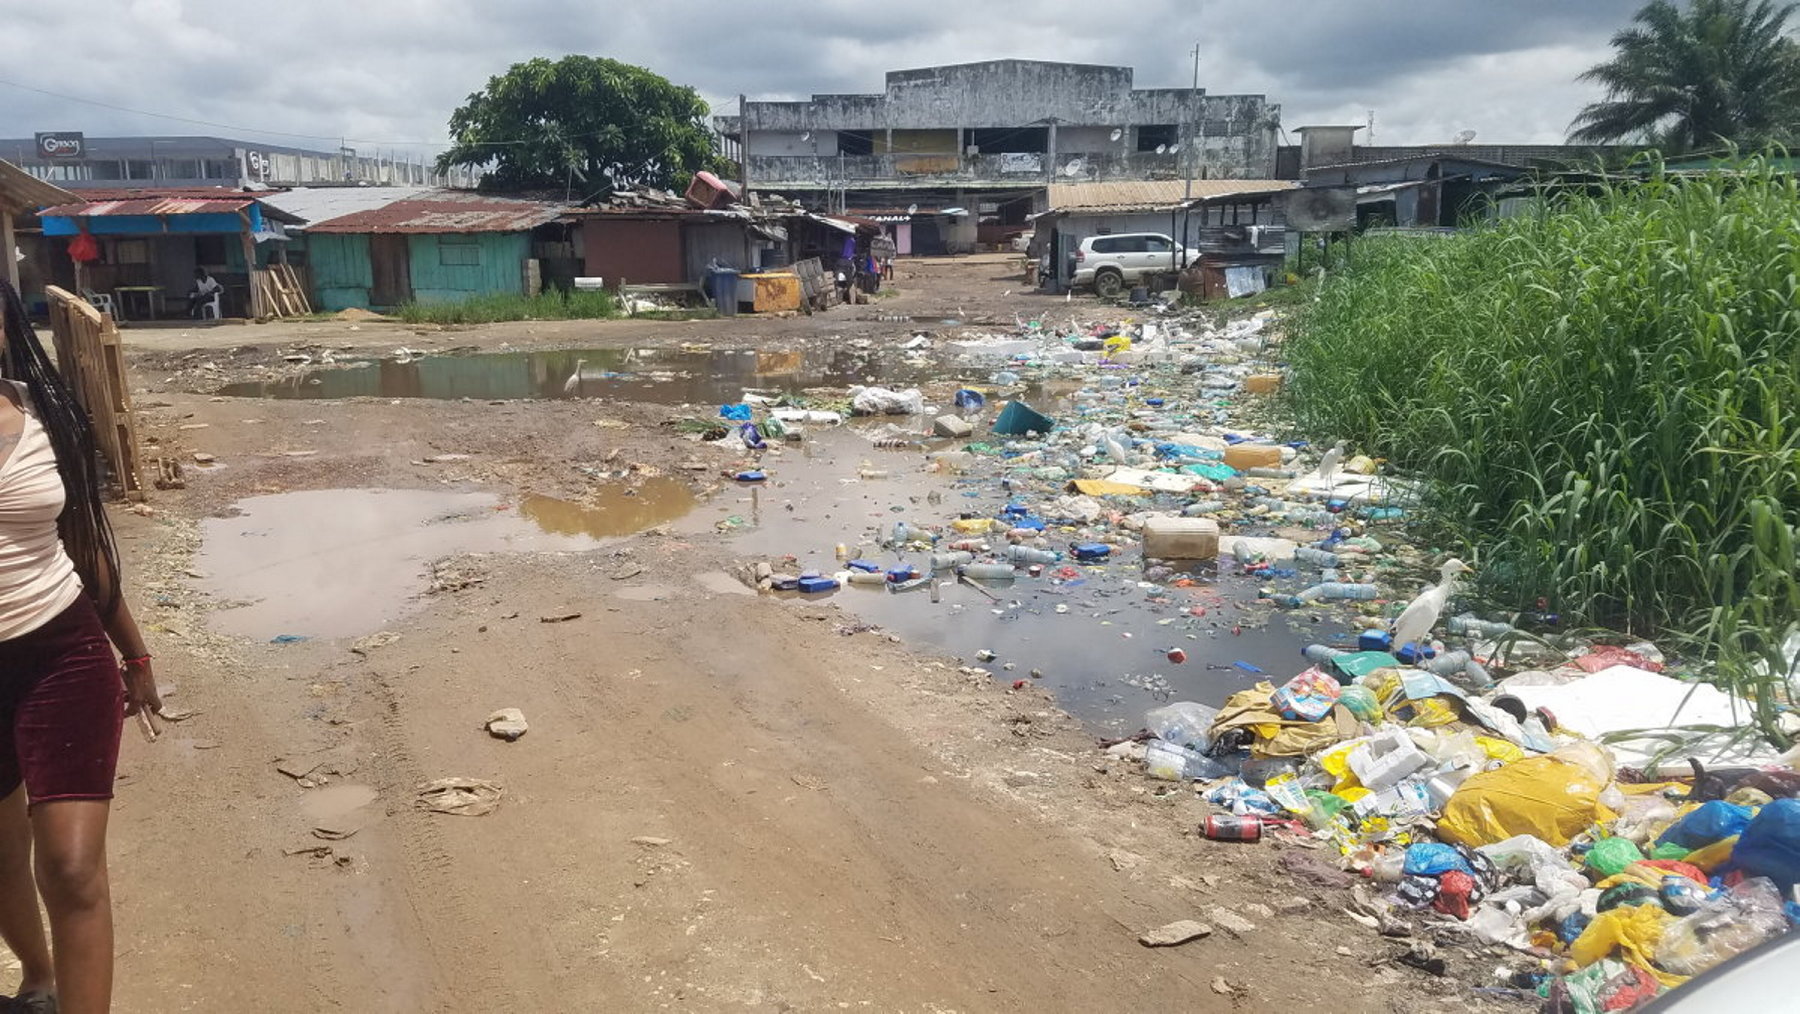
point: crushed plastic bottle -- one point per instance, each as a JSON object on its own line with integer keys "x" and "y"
{"x": 1337, "y": 591}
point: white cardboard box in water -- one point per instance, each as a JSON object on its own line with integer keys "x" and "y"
{"x": 1624, "y": 699}
{"x": 1162, "y": 482}
{"x": 1274, "y": 550}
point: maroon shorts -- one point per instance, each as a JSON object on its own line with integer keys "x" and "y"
{"x": 62, "y": 706}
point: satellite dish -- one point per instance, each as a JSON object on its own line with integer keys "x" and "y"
{"x": 1117, "y": 133}
{"x": 912, "y": 209}
{"x": 1074, "y": 167}
{"x": 1463, "y": 137}
{"x": 1162, "y": 149}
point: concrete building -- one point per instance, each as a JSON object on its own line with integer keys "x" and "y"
{"x": 75, "y": 161}
{"x": 966, "y": 151}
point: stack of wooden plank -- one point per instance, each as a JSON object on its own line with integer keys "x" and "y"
{"x": 281, "y": 291}
{"x": 92, "y": 363}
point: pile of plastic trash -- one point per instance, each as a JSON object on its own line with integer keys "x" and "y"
{"x": 1519, "y": 795}
{"x": 1500, "y": 815}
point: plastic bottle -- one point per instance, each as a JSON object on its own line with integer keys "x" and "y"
{"x": 951, "y": 461}
{"x": 1319, "y": 654}
{"x": 951, "y": 561}
{"x": 868, "y": 471}
{"x": 1203, "y": 507}
{"x": 862, "y": 577}
{"x": 1177, "y": 763}
{"x": 1317, "y": 557}
{"x": 1338, "y": 591}
{"x": 989, "y": 572}
{"x": 901, "y": 534}
{"x": 1448, "y": 664}
{"x": 967, "y": 546}
{"x": 1027, "y": 554}
{"x": 1477, "y": 627}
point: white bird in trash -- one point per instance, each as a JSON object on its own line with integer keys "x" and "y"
{"x": 1328, "y": 464}
{"x": 573, "y": 384}
{"x": 1422, "y": 613}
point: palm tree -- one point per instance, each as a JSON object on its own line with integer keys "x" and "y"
{"x": 1723, "y": 71}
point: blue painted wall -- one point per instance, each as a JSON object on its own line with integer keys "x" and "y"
{"x": 498, "y": 265}
{"x": 340, "y": 271}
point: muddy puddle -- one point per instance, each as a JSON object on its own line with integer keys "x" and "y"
{"x": 661, "y": 376}
{"x": 348, "y": 562}
{"x": 612, "y": 510}
{"x": 1099, "y": 641}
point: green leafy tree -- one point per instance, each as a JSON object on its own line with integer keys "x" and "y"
{"x": 548, "y": 123}
{"x": 1718, "y": 72}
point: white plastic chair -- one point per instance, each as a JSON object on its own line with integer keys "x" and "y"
{"x": 101, "y": 301}
{"x": 211, "y": 306}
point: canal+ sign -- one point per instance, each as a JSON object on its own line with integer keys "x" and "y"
{"x": 61, "y": 144}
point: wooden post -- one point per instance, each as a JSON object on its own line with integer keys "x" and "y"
{"x": 257, "y": 310}
{"x": 7, "y": 244}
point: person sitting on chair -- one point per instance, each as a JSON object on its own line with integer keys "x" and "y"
{"x": 206, "y": 289}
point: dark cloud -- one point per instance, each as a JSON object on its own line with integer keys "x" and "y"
{"x": 382, "y": 72}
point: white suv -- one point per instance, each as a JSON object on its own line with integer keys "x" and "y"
{"x": 1108, "y": 262}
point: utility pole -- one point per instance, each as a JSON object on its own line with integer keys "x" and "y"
{"x": 1194, "y": 100}
{"x": 744, "y": 144}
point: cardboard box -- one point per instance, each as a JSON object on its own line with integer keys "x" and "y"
{"x": 1262, "y": 383}
{"x": 1168, "y": 538}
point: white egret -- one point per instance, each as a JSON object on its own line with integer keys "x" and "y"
{"x": 1328, "y": 464}
{"x": 1422, "y": 614}
{"x": 573, "y": 384}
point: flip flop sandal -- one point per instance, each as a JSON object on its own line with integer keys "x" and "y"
{"x": 31, "y": 1003}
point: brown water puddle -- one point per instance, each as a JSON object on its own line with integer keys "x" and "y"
{"x": 612, "y": 510}
{"x": 347, "y": 562}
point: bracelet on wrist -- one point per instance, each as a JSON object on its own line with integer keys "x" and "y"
{"x": 140, "y": 660}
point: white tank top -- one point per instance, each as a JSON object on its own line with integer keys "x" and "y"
{"x": 37, "y": 579}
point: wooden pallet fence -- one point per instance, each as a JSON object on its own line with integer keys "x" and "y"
{"x": 92, "y": 362}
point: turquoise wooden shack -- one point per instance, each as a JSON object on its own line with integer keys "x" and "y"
{"x": 406, "y": 245}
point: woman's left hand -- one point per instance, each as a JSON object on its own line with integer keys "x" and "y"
{"x": 140, "y": 688}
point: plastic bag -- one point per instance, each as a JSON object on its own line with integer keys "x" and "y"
{"x": 1183, "y": 723}
{"x": 1632, "y": 933}
{"x": 1553, "y": 797}
{"x": 1432, "y": 859}
{"x": 1361, "y": 703}
{"x": 1710, "y": 822}
{"x": 1770, "y": 846}
{"x": 1611, "y": 855}
{"x": 881, "y": 401}
{"x": 1726, "y": 925}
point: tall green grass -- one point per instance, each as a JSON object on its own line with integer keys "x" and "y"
{"x": 551, "y": 304}
{"x": 1603, "y": 397}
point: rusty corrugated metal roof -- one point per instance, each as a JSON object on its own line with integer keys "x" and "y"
{"x": 163, "y": 201}
{"x": 1151, "y": 195}
{"x": 445, "y": 211}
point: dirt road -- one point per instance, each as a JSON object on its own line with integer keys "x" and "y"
{"x": 724, "y": 802}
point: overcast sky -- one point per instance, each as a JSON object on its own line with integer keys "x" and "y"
{"x": 387, "y": 73}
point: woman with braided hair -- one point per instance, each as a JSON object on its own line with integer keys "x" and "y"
{"x": 64, "y": 694}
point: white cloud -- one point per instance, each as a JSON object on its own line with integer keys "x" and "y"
{"x": 391, "y": 71}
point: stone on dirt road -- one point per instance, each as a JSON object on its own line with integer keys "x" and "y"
{"x": 1230, "y": 921}
{"x": 508, "y": 724}
{"x": 954, "y": 427}
{"x": 1175, "y": 933}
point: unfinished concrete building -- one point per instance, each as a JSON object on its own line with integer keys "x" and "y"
{"x": 959, "y": 155}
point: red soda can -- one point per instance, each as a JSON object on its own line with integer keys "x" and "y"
{"x": 1226, "y": 827}
{"x": 1177, "y": 656}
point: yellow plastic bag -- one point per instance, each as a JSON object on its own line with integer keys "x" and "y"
{"x": 1500, "y": 749}
{"x": 1633, "y": 932}
{"x": 1711, "y": 857}
{"x": 1555, "y": 797}
{"x": 1117, "y": 343}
